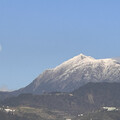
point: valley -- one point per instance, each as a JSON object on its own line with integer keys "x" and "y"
{"x": 91, "y": 101}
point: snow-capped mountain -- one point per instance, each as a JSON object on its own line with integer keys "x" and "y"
{"x": 74, "y": 73}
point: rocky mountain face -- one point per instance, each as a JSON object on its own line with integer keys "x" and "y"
{"x": 74, "y": 73}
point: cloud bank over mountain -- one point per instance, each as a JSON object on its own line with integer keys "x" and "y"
{"x": 4, "y": 88}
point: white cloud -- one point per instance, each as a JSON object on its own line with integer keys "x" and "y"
{"x": 4, "y": 88}
{"x": 0, "y": 47}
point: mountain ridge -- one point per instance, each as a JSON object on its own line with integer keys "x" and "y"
{"x": 92, "y": 96}
{"x": 74, "y": 73}
{"x": 71, "y": 75}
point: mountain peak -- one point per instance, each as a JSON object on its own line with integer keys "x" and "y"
{"x": 75, "y": 61}
{"x": 82, "y": 56}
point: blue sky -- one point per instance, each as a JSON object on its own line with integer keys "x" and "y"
{"x": 40, "y": 34}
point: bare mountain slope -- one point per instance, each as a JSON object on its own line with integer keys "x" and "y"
{"x": 74, "y": 73}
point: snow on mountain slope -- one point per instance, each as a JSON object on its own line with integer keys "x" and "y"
{"x": 74, "y": 73}
{"x": 118, "y": 59}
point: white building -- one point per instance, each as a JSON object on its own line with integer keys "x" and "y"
{"x": 9, "y": 110}
{"x": 110, "y": 108}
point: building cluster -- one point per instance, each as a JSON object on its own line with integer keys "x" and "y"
{"x": 110, "y": 108}
{"x": 7, "y": 109}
